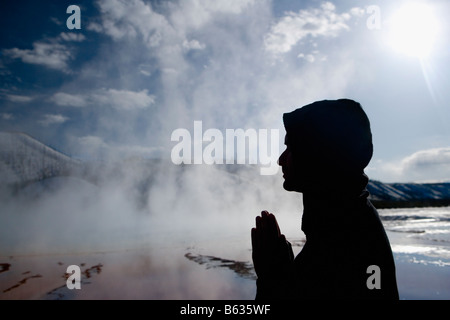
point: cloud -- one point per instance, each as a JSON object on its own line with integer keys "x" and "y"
{"x": 130, "y": 19}
{"x": 124, "y": 99}
{"x": 224, "y": 6}
{"x": 137, "y": 19}
{"x": 91, "y": 146}
{"x": 316, "y": 22}
{"x": 56, "y": 21}
{"x": 95, "y": 147}
{"x": 308, "y": 57}
{"x": 421, "y": 166}
{"x": 18, "y": 98}
{"x": 429, "y": 157}
{"x": 430, "y": 164}
{"x": 66, "y": 99}
{"x": 146, "y": 69}
{"x": 193, "y": 45}
{"x": 194, "y": 14}
{"x": 51, "y": 55}
{"x": 118, "y": 99}
{"x": 72, "y": 36}
{"x": 7, "y": 116}
{"x": 50, "y": 119}
{"x": 51, "y": 52}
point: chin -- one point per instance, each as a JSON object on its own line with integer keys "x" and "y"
{"x": 289, "y": 186}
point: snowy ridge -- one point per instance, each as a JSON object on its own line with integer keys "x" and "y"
{"x": 23, "y": 159}
{"x": 409, "y": 194}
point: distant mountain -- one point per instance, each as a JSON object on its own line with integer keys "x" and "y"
{"x": 391, "y": 195}
{"x": 25, "y": 160}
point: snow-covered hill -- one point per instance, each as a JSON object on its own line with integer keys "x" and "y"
{"x": 409, "y": 194}
{"x": 24, "y": 159}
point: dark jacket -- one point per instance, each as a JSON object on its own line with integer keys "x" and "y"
{"x": 344, "y": 236}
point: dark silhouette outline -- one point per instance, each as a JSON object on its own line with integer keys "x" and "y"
{"x": 328, "y": 145}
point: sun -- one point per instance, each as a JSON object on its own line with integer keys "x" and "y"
{"x": 413, "y": 30}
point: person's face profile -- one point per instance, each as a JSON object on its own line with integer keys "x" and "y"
{"x": 287, "y": 165}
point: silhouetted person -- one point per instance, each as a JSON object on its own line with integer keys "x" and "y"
{"x": 328, "y": 145}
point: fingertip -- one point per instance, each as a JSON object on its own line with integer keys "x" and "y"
{"x": 258, "y": 222}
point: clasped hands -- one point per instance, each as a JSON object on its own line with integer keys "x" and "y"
{"x": 271, "y": 252}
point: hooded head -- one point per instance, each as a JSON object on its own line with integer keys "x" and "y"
{"x": 328, "y": 139}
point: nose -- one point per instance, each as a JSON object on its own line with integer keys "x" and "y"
{"x": 282, "y": 159}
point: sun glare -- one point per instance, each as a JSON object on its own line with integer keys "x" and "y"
{"x": 413, "y": 30}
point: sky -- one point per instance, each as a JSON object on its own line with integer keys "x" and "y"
{"x": 137, "y": 70}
